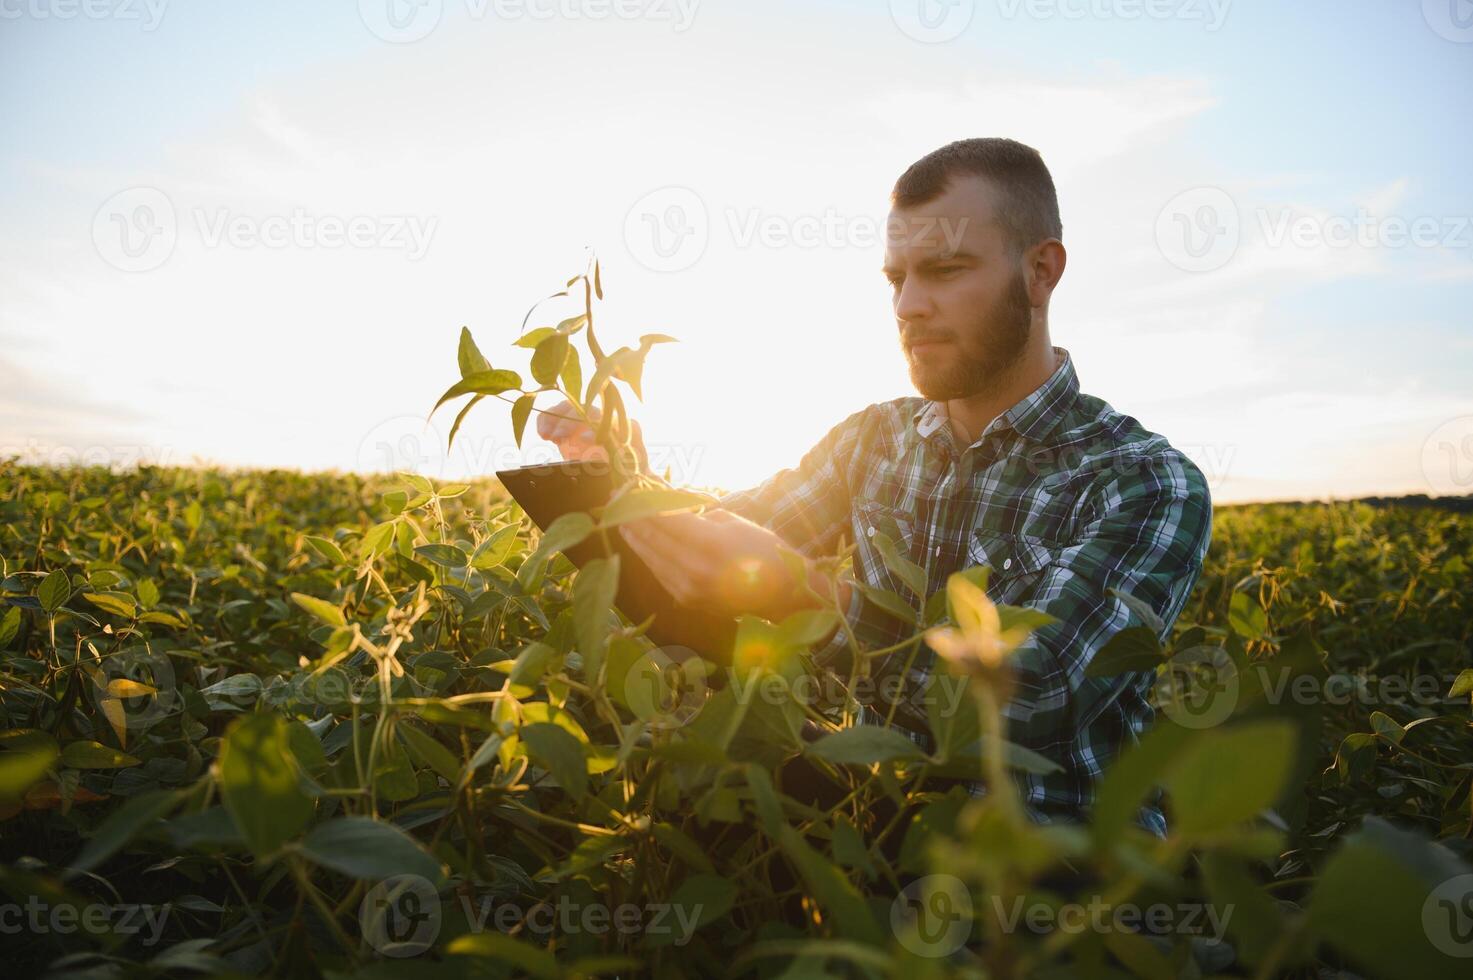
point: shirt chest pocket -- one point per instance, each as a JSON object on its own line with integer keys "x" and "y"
{"x": 1017, "y": 563}
{"x": 878, "y": 527}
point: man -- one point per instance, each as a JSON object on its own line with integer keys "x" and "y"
{"x": 1002, "y": 462}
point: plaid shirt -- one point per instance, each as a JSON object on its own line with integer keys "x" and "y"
{"x": 1063, "y": 498}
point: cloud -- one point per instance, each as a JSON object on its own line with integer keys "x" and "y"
{"x": 1074, "y": 124}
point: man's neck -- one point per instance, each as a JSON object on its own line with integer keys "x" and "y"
{"x": 970, "y": 416}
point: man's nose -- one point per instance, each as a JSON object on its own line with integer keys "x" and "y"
{"x": 913, "y": 303}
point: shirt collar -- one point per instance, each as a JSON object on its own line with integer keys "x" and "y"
{"x": 1034, "y": 417}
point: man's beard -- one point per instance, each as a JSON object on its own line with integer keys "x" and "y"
{"x": 985, "y": 349}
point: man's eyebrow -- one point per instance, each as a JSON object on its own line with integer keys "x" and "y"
{"x": 960, "y": 255}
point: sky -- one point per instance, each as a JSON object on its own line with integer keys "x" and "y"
{"x": 249, "y": 234}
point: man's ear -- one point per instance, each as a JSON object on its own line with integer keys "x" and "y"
{"x": 1044, "y": 267}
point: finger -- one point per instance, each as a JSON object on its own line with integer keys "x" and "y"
{"x": 548, "y": 419}
{"x": 563, "y": 421}
{"x": 563, "y": 429}
{"x": 575, "y": 450}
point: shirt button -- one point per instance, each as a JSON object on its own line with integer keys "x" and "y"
{"x": 938, "y": 550}
{"x": 1007, "y": 563}
{"x": 871, "y": 532}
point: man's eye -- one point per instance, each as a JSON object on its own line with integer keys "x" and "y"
{"x": 947, "y": 270}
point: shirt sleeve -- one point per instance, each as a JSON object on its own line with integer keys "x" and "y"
{"x": 1146, "y": 534}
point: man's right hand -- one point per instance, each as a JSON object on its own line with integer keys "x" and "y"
{"x": 562, "y": 426}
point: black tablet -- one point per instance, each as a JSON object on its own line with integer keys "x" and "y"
{"x": 551, "y": 490}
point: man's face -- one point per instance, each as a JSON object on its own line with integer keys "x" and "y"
{"x": 961, "y": 302}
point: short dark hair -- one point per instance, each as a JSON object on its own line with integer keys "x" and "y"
{"x": 1029, "y": 209}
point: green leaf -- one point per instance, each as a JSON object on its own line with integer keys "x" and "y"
{"x": 1394, "y": 903}
{"x": 9, "y": 625}
{"x": 1256, "y": 918}
{"x": 1141, "y": 610}
{"x": 548, "y": 358}
{"x": 901, "y": 567}
{"x": 572, "y": 324}
{"x": 889, "y": 602}
{"x": 765, "y": 799}
{"x": 95, "y": 755}
{"x": 559, "y": 753}
{"x": 1246, "y": 617}
{"x": 1016, "y": 756}
{"x": 412, "y": 568}
{"x": 117, "y": 603}
{"x": 496, "y": 549}
{"x": 122, "y": 825}
{"x": 426, "y": 750}
{"x": 638, "y": 504}
{"x": 469, "y": 355}
{"x": 258, "y": 783}
{"x": 841, "y": 903}
{"x": 444, "y": 555}
{"x": 1355, "y": 759}
{"x": 807, "y": 627}
{"x": 327, "y": 549}
{"x": 1230, "y": 776}
{"x": 306, "y": 749}
{"x": 460, "y": 419}
{"x": 481, "y": 383}
{"x": 572, "y": 374}
{"x": 148, "y": 593}
{"x": 593, "y": 604}
{"x": 530, "y": 960}
{"x": 377, "y": 538}
{"x": 55, "y": 589}
{"x": 1387, "y": 727}
{"x": 369, "y": 849}
{"x": 23, "y": 761}
{"x": 864, "y": 745}
{"x": 487, "y": 752}
{"x": 325, "y": 611}
{"x": 951, "y": 711}
{"x": 1462, "y": 684}
{"x": 1134, "y": 648}
{"x": 533, "y": 337}
{"x": 566, "y": 532}
{"x": 1127, "y": 783}
{"x": 520, "y": 412}
{"x": 703, "y": 898}
{"x": 849, "y": 847}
